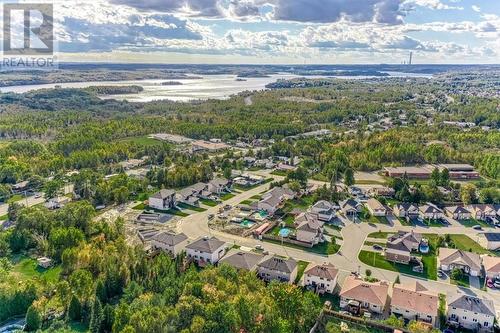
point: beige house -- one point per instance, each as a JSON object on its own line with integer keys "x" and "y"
{"x": 367, "y": 296}
{"x": 272, "y": 200}
{"x": 309, "y": 229}
{"x": 430, "y": 211}
{"x": 375, "y": 207}
{"x": 490, "y": 240}
{"x": 458, "y": 212}
{"x": 491, "y": 267}
{"x": 470, "y": 312}
{"x": 169, "y": 242}
{"x": 206, "y": 250}
{"x": 468, "y": 262}
{"x": 415, "y": 302}
{"x": 483, "y": 211}
{"x": 323, "y": 278}
{"x": 405, "y": 209}
{"x": 276, "y": 268}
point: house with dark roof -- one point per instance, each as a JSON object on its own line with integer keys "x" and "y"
{"x": 242, "y": 260}
{"x": 470, "y": 312}
{"x": 322, "y": 278}
{"x": 351, "y": 207}
{"x": 162, "y": 200}
{"x": 490, "y": 240}
{"x": 325, "y": 210}
{"x": 170, "y": 242}
{"x": 277, "y": 268}
{"x": 458, "y": 212}
{"x": 405, "y": 210}
{"x": 206, "y": 250}
{"x": 415, "y": 302}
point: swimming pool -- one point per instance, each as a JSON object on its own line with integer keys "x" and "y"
{"x": 284, "y": 232}
{"x": 246, "y": 223}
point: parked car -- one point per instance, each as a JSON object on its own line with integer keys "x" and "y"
{"x": 440, "y": 273}
{"x": 259, "y": 247}
{"x": 477, "y": 227}
{"x": 377, "y": 247}
{"x": 490, "y": 283}
{"x": 496, "y": 284}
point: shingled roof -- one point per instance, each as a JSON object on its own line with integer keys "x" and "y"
{"x": 208, "y": 245}
{"x": 357, "y": 289}
{"x": 415, "y": 297}
{"x": 325, "y": 271}
{"x": 279, "y": 264}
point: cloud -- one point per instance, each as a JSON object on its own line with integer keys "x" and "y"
{"x": 476, "y": 8}
{"x": 432, "y": 4}
{"x": 198, "y": 8}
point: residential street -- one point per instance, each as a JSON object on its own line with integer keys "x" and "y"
{"x": 353, "y": 234}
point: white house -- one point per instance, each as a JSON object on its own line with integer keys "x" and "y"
{"x": 162, "y": 200}
{"x": 169, "y": 242}
{"x": 206, "y": 250}
{"x": 491, "y": 267}
{"x": 470, "y": 312}
{"x": 405, "y": 209}
{"x": 375, "y": 207}
{"x": 323, "y": 278}
{"x": 351, "y": 207}
{"x": 458, "y": 212}
{"x": 219, "y": 185}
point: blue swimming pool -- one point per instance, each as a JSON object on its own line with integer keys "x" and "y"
{"x": 284, "y": 232}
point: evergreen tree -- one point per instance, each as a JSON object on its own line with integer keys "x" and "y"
{"x": 33, "y": 319}
{"x": 75, "y": 309}
{"x": 349, "y": 177}
{"x": 100, "y": 291}
{"x": 96, "y": 317}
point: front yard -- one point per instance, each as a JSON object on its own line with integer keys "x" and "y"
{"x": 208, "y": 202}
{"x": 227, "y": 196}
{"x": 472, "y": 222}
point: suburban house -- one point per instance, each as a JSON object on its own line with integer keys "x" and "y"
{"x": 20, "y": 187}
{"x": 375, "y": 207}
{"x": 491, "y": 267}
{"x": 430, "y": 211}
{"x": 163, "y": 199}
{"x": 323, "y": 278}
{"x": 458, "y": 212}
{"x": 490, "y": 240}
{"x": 169, "y": 242}
{"x": 405, "y": 209}
{"x": 382, "y": 191}
{"x": 470, "y": 312}
{"x": 324, "y": 209}
{"x": 309, "y": 229}
{"x": 188, "y": 195}
{"x": 206, "y": 250}
{"x": 242, "y": 260}
{"x": 219, "y": 185}
{"x": 400, "y": 246}
{"x": 415, "y": 302}
{"x": 271, "y": 200}
{"x": 468, "y": 262}
{"x": 358, "y": 295}
{"x": 57, "y": 202}
{"x": 276, "y": 268}
{"x": 351, "y": 207}
{"x": 286, "y": 167}
{"x": 482, "y": 211}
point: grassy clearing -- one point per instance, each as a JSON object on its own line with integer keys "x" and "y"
{"x": 465, "y": 243}
{"x": 190, "y": 207}
{"x": 143, "y": 141}
{"x": 333, "y": 325}
{"x": 300, "y": 270}
{"x": 25, "y": 268}
{"x": 279, "y": 173}
{"x": 300, "y": 203}
{"x": 227, "y": 196}
{"x": 15, "y": 198}
{"x": 208, "y": 202}
{"x": 256, "y": 197}
{"x": 380, "y": 234}
{"x": 140, "y": 206}
{"x": 325, "y": 248}
{"x": 4, "y": 217}
{"x": 374, "y": 243}
{"x": 369, "y": 182}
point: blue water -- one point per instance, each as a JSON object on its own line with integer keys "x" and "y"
{"x": 284, "y": 232}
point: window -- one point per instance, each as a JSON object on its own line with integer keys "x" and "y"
{"x": 486, "y": 324}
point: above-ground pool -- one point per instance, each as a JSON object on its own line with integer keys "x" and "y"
{"x": 246, "y": 223}
{"x": 284, "y": 232}
{"x": 424, "y": 246}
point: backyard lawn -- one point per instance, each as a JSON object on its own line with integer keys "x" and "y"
{"x": 279, "y": 173}
{"x": 465, "y": 243}
{"x": 303, "y": 202}
{"x": 376, "y": 219}
{"x": 325, "y": 248}
{"x": 227, "y": 196}
{"x": 140, "y": 206}
{"x": 190, "y": 207}
{"x": 25, "y": 268}
{"x": 208, "y": 202}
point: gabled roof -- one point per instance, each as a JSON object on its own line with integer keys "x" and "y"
{"x": 325, "y": 271}
{"x": 375, "y": 204}
{"x": 460, "y": 300}
{"x": 219, "y": 182}
{"x": 491, "y": 264}
{"x": 430, "y": 208}
{"x": 323, "y": 205}
{"x": 349, "y": 203}
{"x": 454, "y": 256}
{"x": 406, "y": 206}
{"x": 242, "y": 260}
{"x": 279, "y": 264}
{"x": 163, "y": 193}
{"x": 404, "y": 241}
{"x": 372, "y": 292}
{"x": 308, "y": 222}
{"x": 204, "y": 244}
{"x": 169, "y": 238}
{"x": 415, "y": 297}
{"x": 457, "y": 209}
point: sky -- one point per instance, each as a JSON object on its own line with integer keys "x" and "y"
{"x": 278, "y": 31}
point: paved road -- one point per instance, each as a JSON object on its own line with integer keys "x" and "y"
{"x": 353, "y": 234}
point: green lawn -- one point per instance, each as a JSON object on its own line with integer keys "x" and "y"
{"x": 4, "y": 217}
{"x": 442, "y": 310}
{"x": 380, "y": 234}
{"x": 434, "y": 223}
{"x": 472, "y": 222}
{"x": 377, "y": 260}
{"x": 463, "y": 281}
{"x": 27, "y": 268}
{"x": 289, "y": 219}
{"x": 227, "y": 196}
{"x": 376, "y": 219}
{"x": 325, "y": 248}
{"x": 404, "y": 221}
{"x": 15, "y": 198}
{"x": 143, "y": 141}
{"x": 208, "y": 202}
{"x": 177, "y": 212}
{"x": 465, "y": 243}
{"x": 246, "y": 188}
{"x": 374, "y": 243}
{"x": 256, "y": 197}
{"x": 368, "y": 182}
{"x": 140, "y": 206}
{"x": 246, "y": 202}
{"x": 333, "y": 325}
{"x": 190, "y": 207}
{"x": 302, "y": 202}
{"x": 300, "y": 270}
{"x": 279, "y": 173}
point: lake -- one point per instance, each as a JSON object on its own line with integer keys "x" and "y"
{"x": 208, "y": 86}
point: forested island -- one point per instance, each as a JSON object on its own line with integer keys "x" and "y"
{"x": 115, "y": 90}
{"x": 171, "y": 83}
